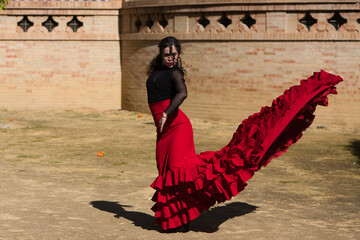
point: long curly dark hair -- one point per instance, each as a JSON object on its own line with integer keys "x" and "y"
{"x": 156, "y": 63}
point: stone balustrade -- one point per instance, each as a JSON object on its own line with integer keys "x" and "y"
{"x": 304, "y": 22}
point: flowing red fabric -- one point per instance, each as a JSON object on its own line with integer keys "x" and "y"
{"x": 189, "y": 183}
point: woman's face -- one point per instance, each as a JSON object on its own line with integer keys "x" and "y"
{"x": 169, "y": 59}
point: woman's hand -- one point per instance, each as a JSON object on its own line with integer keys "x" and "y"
{"x": 162, "y": 121}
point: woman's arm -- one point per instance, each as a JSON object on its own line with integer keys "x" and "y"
{"x": 181, "y": 91}
{"x": 181, "y": 94}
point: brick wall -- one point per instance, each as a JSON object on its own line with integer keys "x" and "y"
{"x": 231, "y": 80}
{"x": 60, "y": 74}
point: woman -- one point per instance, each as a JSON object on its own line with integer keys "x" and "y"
{"x": 188, "y": 183}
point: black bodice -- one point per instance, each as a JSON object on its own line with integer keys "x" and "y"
{"x": 167, "y": 83}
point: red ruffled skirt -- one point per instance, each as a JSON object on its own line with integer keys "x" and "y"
{"x": 189, "y": 183}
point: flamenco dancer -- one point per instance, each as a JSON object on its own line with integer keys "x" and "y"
{"x": 189, "y": 183}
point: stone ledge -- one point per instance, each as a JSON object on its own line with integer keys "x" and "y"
{"x": 112, "y": 4}
{"x": 62, "y": 12}
{"x": 345, "y": 36}
{"x": 243, "y": 8}
{"x": 58, "y": 37}
{"x": 152, "y": 3}
{"x": 189, "y": 5}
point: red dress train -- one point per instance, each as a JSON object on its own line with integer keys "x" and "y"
{"x": 189, "y": 183}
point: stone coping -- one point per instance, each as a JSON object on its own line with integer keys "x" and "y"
{"x": 347, "y": 36}
{"x": 116, "y": 7}
{"x": 153, "y": 3}
{"x": 111, "y": 4}
{"x": 244, "y": 8}
{"x": 61, "y": 12}
{"x": 59, "y": 37}
{"x": 189, "y": 5}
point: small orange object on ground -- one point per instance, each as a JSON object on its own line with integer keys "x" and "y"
{"x": 140, "y": 115}
{"x": 11, "y": 119}
{"x": 100, "y": 154}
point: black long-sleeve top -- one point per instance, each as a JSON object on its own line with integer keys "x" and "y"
{"x": 167, "y": 83}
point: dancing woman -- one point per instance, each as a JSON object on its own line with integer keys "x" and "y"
{"x": 189, "y": 183}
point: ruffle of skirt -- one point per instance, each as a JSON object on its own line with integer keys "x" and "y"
{"x": 223, "y": 174}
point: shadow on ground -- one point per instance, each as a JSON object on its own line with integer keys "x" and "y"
{"x": 140, "y": 219}
{"x": 210, "y": 221}
{"x": 207, "y": 222}
{"x": 354, "y": 147}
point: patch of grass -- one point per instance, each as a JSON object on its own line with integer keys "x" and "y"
{"x": 36, "y": 163}
{"x": 120, "y": 164}
{"x": 286, "y": 182}
{"x": 14, "y": 160}
{"x": 36, "y": 125}
{"x": 117, "y": 120}
{"x": 75, "y": 114}
{"x": 106, "y": 177}
{"x": 4, "y": 110}
{"x": 340, "y": 145}
{"x": 77, "y": 146}
{"x": 54, "y": 162}
{"x": 28, "y": 156}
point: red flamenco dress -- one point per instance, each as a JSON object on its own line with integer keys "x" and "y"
{"x": 189, "y": 183}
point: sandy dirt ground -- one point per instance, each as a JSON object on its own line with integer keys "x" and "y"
{"x": 54, "y": 186}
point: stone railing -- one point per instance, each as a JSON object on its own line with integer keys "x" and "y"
{"x": 150, "y": 3}
{"x": 303, "y": 21}
{"x": 63, "y": 4}
{"x": 61, "y": 20}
